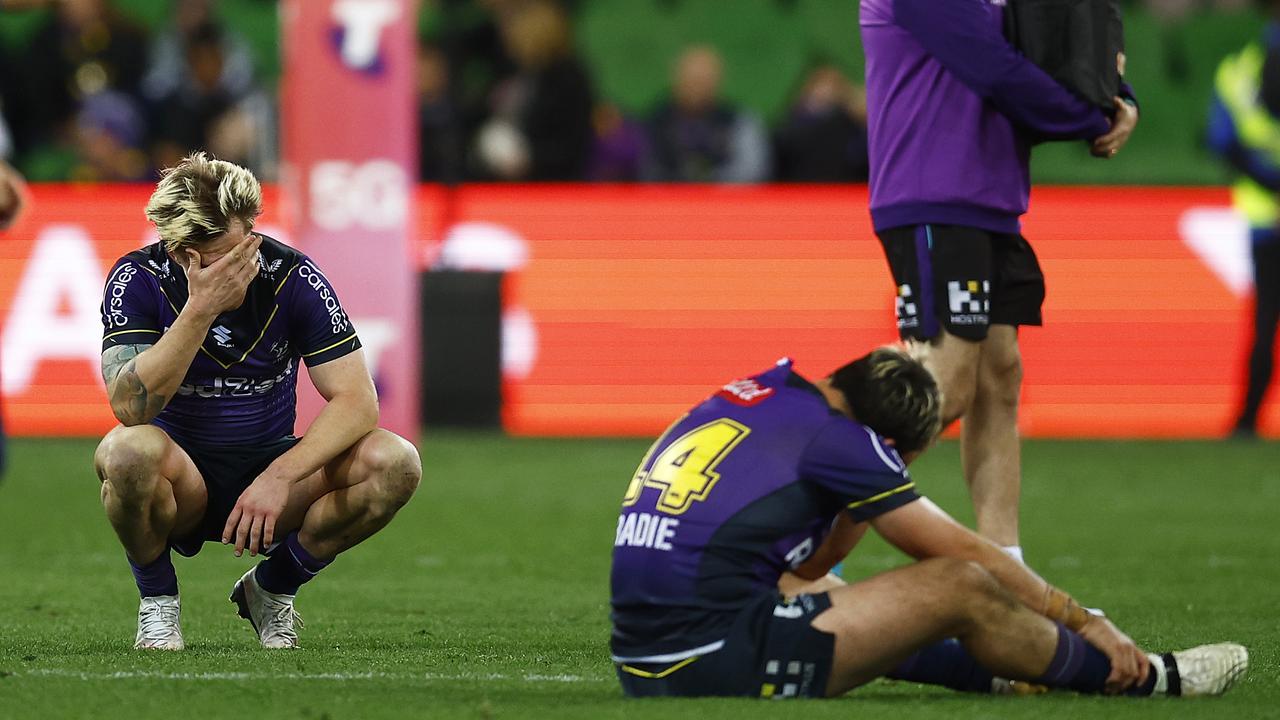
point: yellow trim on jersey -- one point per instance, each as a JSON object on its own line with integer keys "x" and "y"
{"x": 658, "y": 675}
{"x": 348, "y": 339}
{"x": 126, "y": 332}
{"x": 258, "y": 339}
{"x": 883, "y": 495}
{"x": 286, "y": 277}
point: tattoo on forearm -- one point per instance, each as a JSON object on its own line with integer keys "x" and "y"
{"x": 129, "y": 396}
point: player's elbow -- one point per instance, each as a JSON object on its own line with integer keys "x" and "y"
{"x": 128, "y": 417}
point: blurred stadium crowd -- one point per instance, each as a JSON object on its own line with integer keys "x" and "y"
{"x": 92, "y": 96}
{"x": 505, "y": 95}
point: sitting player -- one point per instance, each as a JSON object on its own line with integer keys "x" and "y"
{"x": 734, "y": 517}
{"x": 204, "y": 332}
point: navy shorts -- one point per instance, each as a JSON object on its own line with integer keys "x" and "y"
{"x": 227, "y": 470}
{"x": 961, "y": 279}
{"x": 771, "y": 651}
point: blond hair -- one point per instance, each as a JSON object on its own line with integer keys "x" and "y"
{"x": 197, "y": 200}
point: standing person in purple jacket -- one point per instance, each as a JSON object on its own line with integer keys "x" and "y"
{"x": 204, "y": 334}
{"x": 953, "y": 111}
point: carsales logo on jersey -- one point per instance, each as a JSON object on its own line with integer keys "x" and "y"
{"x": 116, "y": 287}
{"x": 357, "y": 32}
{"x": 313, "y": 277}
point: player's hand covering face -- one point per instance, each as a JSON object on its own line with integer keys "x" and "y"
{"x": 221, "y": 286}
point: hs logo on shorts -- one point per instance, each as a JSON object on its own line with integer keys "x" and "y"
{"x": 904, "y": 307}
{"x": 970, "y": 301}
{"x": 787, "y": 678}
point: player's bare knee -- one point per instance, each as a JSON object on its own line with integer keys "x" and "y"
{"x": 985, "y": 599}
{"x": 964, "y": 577}
{"x": 393, "y": 463}
{"x": 1001, "y": 379}
{"x": 129, "y": 459}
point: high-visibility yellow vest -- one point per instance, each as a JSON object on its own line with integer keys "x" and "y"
{"x": 1239, "y": 83}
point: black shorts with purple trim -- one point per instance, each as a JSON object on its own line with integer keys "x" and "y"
{"x": 962, "y": 280}
{"x": 771, "y": 651}
{"x": 226, "y": 470}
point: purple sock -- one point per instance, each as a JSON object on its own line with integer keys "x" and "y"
{"x": 288, "y": 568}
{"x": 1077, "y": 665}
{"x": 946, "y": 663}
{"x": 156, "y": 577}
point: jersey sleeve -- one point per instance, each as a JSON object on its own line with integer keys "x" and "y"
{"x": 130, "y": 303}
{"x": 958, "y": 34}
{"x": 854, "y": 463}
{"x": 319, "y": 327}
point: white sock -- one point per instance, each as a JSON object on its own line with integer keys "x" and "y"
{"x": 1162, "y": 674}
{"x": 1015, "y": 552}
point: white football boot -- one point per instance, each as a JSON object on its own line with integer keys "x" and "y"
{"x": 158, "y": 624}
{"x": 271, "y": 615}
{"x": 1203, "y": 670}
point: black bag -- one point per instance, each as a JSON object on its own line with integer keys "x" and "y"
{"x": 1075, "y": 41}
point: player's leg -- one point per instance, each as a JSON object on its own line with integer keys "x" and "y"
{"x": 934, "y": 270}
{"x": 357, "y": 494}
{"x": 1266, "y": 315}
{"x": 955, "y": 362}
{"x": 902, "y": 614}
{"x": 880, "y": 622}
{"x": 150, "y": 489}
{"x": 151, "y": 492}
{"x": 343, "y": 504}
{"x": 990, "y": 448}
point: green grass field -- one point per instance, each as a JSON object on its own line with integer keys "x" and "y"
{"x": 488, "y": 597}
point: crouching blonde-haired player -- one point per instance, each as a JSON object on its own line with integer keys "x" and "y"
{"x": 203, "y": 336}
{"x": 738, "y": 512}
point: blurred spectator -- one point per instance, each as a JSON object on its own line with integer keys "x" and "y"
{"x": 440, "y": 133}
{"x": 824, "y": 138}
{"x": 233, "y": 121}
{"x": 466, "y": 32}
{"x": 83, "y": 48}
{"x": 620, "y": 146}
{"x": 8, "y": 91}
{"x": 171, "y": 68}
{"x": 6, "y": 137}
{"x": 1244, "y": 128}
{"x": 540, "y": 127}
{"x": 11, "y": 202}
{"x": 699, "y": 137}
{"x": 110, "y": 135}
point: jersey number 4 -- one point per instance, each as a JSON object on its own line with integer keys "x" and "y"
{"x": 685, "y": 470}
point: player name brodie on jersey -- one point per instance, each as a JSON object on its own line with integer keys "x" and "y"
{"x": 646, "y": 531}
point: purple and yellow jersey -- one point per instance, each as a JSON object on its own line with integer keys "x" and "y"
{"x": 742, "y": 488}
{"x": 241, "y": 386}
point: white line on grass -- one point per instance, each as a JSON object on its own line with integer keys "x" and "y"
{"x": 341, "y": 677}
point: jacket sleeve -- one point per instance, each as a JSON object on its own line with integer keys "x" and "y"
{"x": 1224, "y": 141}
{"x": 960, "y": 36}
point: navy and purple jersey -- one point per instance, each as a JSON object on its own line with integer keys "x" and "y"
{"x": 952, "y": 112}
{"x": 241, "y": 386}
{"x": 741, "y": 489}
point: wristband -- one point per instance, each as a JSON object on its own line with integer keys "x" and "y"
{"x": 1061, "y": 607}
